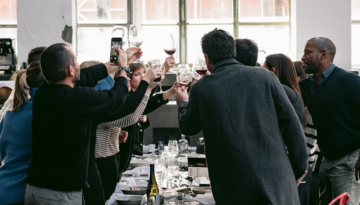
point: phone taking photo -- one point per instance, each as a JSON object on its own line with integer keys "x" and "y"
{"x": 115, "y": 44}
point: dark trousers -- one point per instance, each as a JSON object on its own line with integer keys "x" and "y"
{"x": 304, "y": 188}
{"x": 94, "y": 195}
{"x": 22, "y": 203}
{"x": 109, "y": 172}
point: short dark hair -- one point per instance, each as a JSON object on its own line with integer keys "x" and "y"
{"x": 34, "y": 54}
{"x": 322, "y": 43}
{"x": 246, "y": 51}
{"x": 218, "y": 45}
{"x": 54, "y": 61}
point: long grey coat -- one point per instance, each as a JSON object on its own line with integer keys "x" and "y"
{"x": 240, "y": 110}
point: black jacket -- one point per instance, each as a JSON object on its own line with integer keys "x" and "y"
{"x": 136, "y": 132}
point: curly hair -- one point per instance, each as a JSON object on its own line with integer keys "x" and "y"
{"x": 218, "y": 45}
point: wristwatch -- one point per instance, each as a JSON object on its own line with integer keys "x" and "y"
{"x": 125, "y": 69}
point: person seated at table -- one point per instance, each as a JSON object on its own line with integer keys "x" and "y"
{"x": 134, "y": 144}
{"x": 33, "y": 55}
{"x": 107, "y": 136}
{"x": 16, "y": 136}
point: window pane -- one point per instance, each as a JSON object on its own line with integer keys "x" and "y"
{"x": 263, "y": 10}
{"x": 156, "y": 11}
{"x": 152, "y": 45}
{"x": 355, "y": 45}
{"x": 94, "y": 44}
{"x": 8, "y": 12}
{"x": 194, "y": 35}
{"x": 99, "y": 11}
{"x": 210, "y": 11}
{"x": 271, "y": 39}
{"x": 10, "y": 33}
{"x": 355, "y": 9}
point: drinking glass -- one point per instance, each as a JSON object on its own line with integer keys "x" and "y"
{"x": 183, "y": 75}
{"x": 173, "y": 147}
{"x": 199, "y": 66}
{"x": 169, "y": 44}
{"x": 155, "y": 64}
{"x": 136, "y": 37}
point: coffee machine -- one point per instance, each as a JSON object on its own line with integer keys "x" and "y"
{"x": 7, "y": 58}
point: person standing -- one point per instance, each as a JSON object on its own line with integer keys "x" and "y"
{"x": 62, "y": 123}
{"x": 240, "y": 110}
{"x": 332, "y": 96}
{"x": 16, "y": 136}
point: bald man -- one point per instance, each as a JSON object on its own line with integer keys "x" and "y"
{"x": 332, "y": 96}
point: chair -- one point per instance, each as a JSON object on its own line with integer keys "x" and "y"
{"x": 342, "y": 198}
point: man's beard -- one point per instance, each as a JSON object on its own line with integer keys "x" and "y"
{"x": 77, "y": 78}
{"x": 313, "y": 66}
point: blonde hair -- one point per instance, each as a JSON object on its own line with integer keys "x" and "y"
{"x": 21, "y": 90}
{"x": 86, "y": 64}
{"x": 26, "y": 78}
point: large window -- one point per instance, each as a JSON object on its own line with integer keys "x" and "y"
{"x": 187, "y": 20}
{"x": 355, "y": 33}
{"x": 8, "y": 20}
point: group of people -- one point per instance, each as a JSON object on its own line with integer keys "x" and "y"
{"x": 254, "y": 122}
{"x": 70, "y": 129}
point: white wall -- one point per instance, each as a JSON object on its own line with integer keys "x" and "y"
{"x": 41, "y": 23}
{"x": 324, "y": 18}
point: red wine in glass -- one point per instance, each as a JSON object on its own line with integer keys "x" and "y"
{"x": 201, "y": 72}
{"x": 170, "y": 52}
{"x": 157, "y": 79}
{"x": 185, "y": 84}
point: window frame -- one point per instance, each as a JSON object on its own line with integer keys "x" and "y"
{"x": 355, "y": 66}
{"x": 183, "y": 23}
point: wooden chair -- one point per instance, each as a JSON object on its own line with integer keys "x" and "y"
{"x": 342, "y": 198}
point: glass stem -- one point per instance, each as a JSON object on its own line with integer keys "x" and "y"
{"x": 160, "y": 88}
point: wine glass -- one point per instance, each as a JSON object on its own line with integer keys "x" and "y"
{"x": 183, "y": 75}
{"x": 173, "y": 147}
{"x": 135, "y": 37}
{"x": 200, "y": 66}
{"x": 155, "y": 64}
{"x": 169, "y": 44}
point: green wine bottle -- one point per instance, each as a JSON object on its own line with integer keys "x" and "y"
{"x": 152, "y": 188}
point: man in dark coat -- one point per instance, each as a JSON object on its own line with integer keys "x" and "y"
{"x": 241, "y": 111}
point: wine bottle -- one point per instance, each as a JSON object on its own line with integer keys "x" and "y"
{"x": 152, "y": 188}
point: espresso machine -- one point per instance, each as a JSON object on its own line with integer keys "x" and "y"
{"x": 7, "y": 59}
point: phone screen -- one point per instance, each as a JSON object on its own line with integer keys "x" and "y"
{"x": 115, "y": 44}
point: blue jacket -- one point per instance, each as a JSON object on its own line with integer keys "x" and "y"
{"x": 15, "y": 152}
{"x": 105, "y": 84}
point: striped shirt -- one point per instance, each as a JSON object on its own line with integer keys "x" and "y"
{"x": 107, "y": 133}
{"x": 311, "y": 140}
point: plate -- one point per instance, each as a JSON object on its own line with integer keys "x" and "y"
{"x": 134, "y": 190}
{"x": 129, "y": 200}
{"x": 144, "y": 156}
{"x": 201, "y": 190}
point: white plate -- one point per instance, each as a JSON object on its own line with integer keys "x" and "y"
{"x": 143, "y": 157}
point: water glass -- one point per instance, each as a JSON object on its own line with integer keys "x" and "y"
{"x": 173, "y": 147}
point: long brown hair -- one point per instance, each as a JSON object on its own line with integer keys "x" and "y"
{"x": 26, "y": 78}
{"x": 286, "y": 73}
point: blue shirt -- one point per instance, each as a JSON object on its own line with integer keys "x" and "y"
{"x": 15, "y": 152}
{"x": 105, "y": 84}
{"x": 324, "y": 75}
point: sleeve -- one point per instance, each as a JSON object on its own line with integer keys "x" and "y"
{"x": 129, "y": 119}
{"x": 188, "y": 114}
{"x": 154, "y": 103}
{"x": 128, "y": 107}
{"x": 90, "y": 76}
{"x": 353, "y": 90}
{"x": 292, "y": 131}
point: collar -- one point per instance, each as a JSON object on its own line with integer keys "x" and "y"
{"x": 324, "y": 75}
{"x": 221, "y": 64}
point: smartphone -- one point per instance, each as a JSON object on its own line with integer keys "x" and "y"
{"x": 115, "y": 44}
